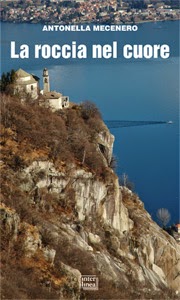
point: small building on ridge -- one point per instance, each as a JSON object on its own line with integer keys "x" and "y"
{"x": 52, "y": 99}
{"x": 26, "y": 84}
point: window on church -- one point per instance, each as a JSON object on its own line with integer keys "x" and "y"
{"x": 32, "y": 88}
{"x": 45, "y": 80}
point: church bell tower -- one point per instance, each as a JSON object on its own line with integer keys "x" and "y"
{"x": 46, "y": 85}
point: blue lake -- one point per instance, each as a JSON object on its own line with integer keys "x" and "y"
{"x": 133, "y": 90}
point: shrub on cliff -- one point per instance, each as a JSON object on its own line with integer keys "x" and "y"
{"x": 89, "y": 110}
{"x": 69, "y": 135}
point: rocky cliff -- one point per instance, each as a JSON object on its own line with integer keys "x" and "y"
{"x": 62, "y": 218}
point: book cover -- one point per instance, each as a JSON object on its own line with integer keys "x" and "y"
{"x": 90, "y": 150}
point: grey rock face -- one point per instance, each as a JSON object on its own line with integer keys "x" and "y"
{"x": 10, "y": 220}
{"x": 30, "y": 239}
{"x": 106, "y": 141}
{"x": 97, "y": 219}
{"x": 92, "y": 197}
{"x": 156, "y": 253}
{"x": 49, "y": 254}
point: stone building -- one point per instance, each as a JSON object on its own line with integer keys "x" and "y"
{"x": 52, "y": 99}
{"x": 55, "y": 100}
{"x": 26, "y": 84}
{"x": 46, "y": 83}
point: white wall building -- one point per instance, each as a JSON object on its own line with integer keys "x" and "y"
{"x": 55, "y": 100}
{"x": 52, "y": 99}
{"x": 26, "y": 84}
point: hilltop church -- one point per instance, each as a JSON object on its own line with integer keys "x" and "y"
{"x": 28, "y": 84}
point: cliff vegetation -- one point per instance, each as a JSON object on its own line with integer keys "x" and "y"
{"x": 64, "y": 214}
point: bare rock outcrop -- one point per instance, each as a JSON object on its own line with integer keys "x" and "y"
{"x": 154, "y": 248}
{"x": 9, "y": 220}
{"x": 105, "y": 142}
{"x": 128, "y": 232}
{"x": 92, "y": 197}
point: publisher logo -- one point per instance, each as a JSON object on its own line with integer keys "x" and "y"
{"x": 89, "y": 282}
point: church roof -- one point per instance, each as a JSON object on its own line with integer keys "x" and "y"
{"x": 21, "y": 73}
{"x": 24, "y": 78}
{"x": 35, "y": 77}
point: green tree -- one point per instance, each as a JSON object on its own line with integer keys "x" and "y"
{"x": 7, "y": 79}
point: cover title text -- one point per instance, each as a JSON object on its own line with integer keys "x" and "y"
{"x": 96, "y": 51}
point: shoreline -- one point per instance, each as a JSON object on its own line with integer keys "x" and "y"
{"x": 92, "y": 23}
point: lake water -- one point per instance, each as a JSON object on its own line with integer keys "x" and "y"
{"x": 133, "y": 90}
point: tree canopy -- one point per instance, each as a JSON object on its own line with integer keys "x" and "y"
{"x": 7, "y": 79}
